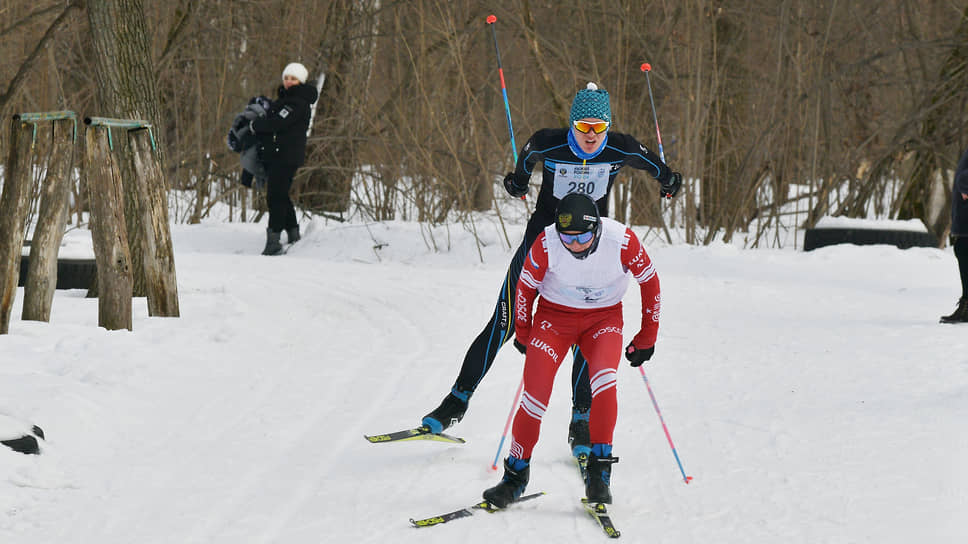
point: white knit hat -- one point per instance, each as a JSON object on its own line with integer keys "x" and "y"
{"x": 296, "y": 70}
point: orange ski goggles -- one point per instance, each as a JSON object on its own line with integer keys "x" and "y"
{"x": 585, "y": 126}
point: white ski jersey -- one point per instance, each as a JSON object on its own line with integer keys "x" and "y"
{"x": 598, "y": 281}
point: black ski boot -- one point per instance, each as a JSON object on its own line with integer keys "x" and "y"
{"x": 960, "y": 314}
{"x": 292, "y": 235}
{"x": 578, "y": 437}
{"x": 449, "y": 413}
{"x": 598, "y": 479}
{"x": 273, "y": 247}
{"x": 512, "y": 484}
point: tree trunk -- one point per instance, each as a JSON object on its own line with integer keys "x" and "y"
{"x": 152, "y": 211}
{"x": 561, "y": 108}
{"x": 331, "y": 158}
{"x": 108, "y": 231}
{"x": 126, "y": 89}
{"x": 13, "y": 210}
{"x": 41, "y": 278}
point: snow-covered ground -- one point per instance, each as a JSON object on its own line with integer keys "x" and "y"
{"x": 813, "y": 397}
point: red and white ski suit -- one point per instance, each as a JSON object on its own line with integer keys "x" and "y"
{"x": 581, "y": 303}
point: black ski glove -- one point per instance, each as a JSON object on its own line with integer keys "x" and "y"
{"x": 638, "y": 356}
{"x": 671, "y": 186}
{"x": 520, "y": 347}
{"x": 512, "y": 187}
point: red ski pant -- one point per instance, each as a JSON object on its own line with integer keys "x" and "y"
{"x": 554, "y": 329}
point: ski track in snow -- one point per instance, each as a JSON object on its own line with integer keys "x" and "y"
{"x": 297, "y": 446}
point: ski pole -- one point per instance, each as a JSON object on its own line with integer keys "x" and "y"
{"x": 507, "y": 426}
{"x": 646, "y": 67}
{"x": 685, "y": 478}
{"x": 491, "y": 19}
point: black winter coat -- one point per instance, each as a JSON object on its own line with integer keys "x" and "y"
{"x": 282, "y": 133}
{"x": 959, "y": 206}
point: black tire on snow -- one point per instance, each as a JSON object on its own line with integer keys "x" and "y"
{"x": 903, "y": 239}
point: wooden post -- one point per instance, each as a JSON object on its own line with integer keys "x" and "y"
{"x": 108, "y": 232}
{"x": 13, "y": 213}
{"x": 41, "y": 278}
{"x": 152, "y": 211}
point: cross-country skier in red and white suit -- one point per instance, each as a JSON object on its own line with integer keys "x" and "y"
{"x": 580, "y": 267}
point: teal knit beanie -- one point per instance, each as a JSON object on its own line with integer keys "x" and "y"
{"x": 591, "y": 102}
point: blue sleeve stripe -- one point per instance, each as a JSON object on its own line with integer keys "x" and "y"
{"x": 578, "y": 163}
{"x": 654, "y": 165}
{"x": 528, "y": 156}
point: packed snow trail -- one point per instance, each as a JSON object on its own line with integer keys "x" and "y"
{"x": 812, "y": 396}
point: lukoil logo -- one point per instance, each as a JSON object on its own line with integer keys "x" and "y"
{"x": 545, "y": 348}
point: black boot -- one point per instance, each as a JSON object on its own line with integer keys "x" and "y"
{"x": 273, "y": 247}
{"x": 293, "y": 235}
{"x": 960, "y": 314}
{"x": 598, "y": 479}
{"x": 512, "y": 484}
{"x": 578, "y": 437}
{"x": 450, "y": 412}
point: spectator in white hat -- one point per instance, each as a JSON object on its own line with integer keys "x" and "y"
{"x": 282, "y": 149}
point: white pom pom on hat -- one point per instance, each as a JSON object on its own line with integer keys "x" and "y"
{"x": 297, "y": 71}
{"x": 591, "y": 103}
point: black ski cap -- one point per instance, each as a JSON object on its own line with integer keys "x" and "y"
{"x": 577, "y": 212}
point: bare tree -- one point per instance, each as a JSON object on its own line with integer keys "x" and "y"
{"x": 840, "y": 108}
{"x": 18, "y": 80}
{"x": 126, "y": 88}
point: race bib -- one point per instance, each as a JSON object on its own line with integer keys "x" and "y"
{"x": 589, "y": 294}
{"x": 590, "y": 179}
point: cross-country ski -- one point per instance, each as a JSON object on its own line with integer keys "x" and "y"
{"x": 600, "y": 513}
{"x": 417, "y": 433}
{"x": 482, "y": 506}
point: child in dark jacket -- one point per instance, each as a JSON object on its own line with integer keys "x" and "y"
{"x": 242, "y": 140}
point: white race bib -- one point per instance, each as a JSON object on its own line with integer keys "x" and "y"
{"x": 591, "y": 179}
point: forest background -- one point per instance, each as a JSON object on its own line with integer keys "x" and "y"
{"x": 837, "y": 107}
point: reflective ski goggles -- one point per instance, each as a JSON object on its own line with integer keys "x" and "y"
{"x": 582, "y": 238}
{"x": 585, "y": 126}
